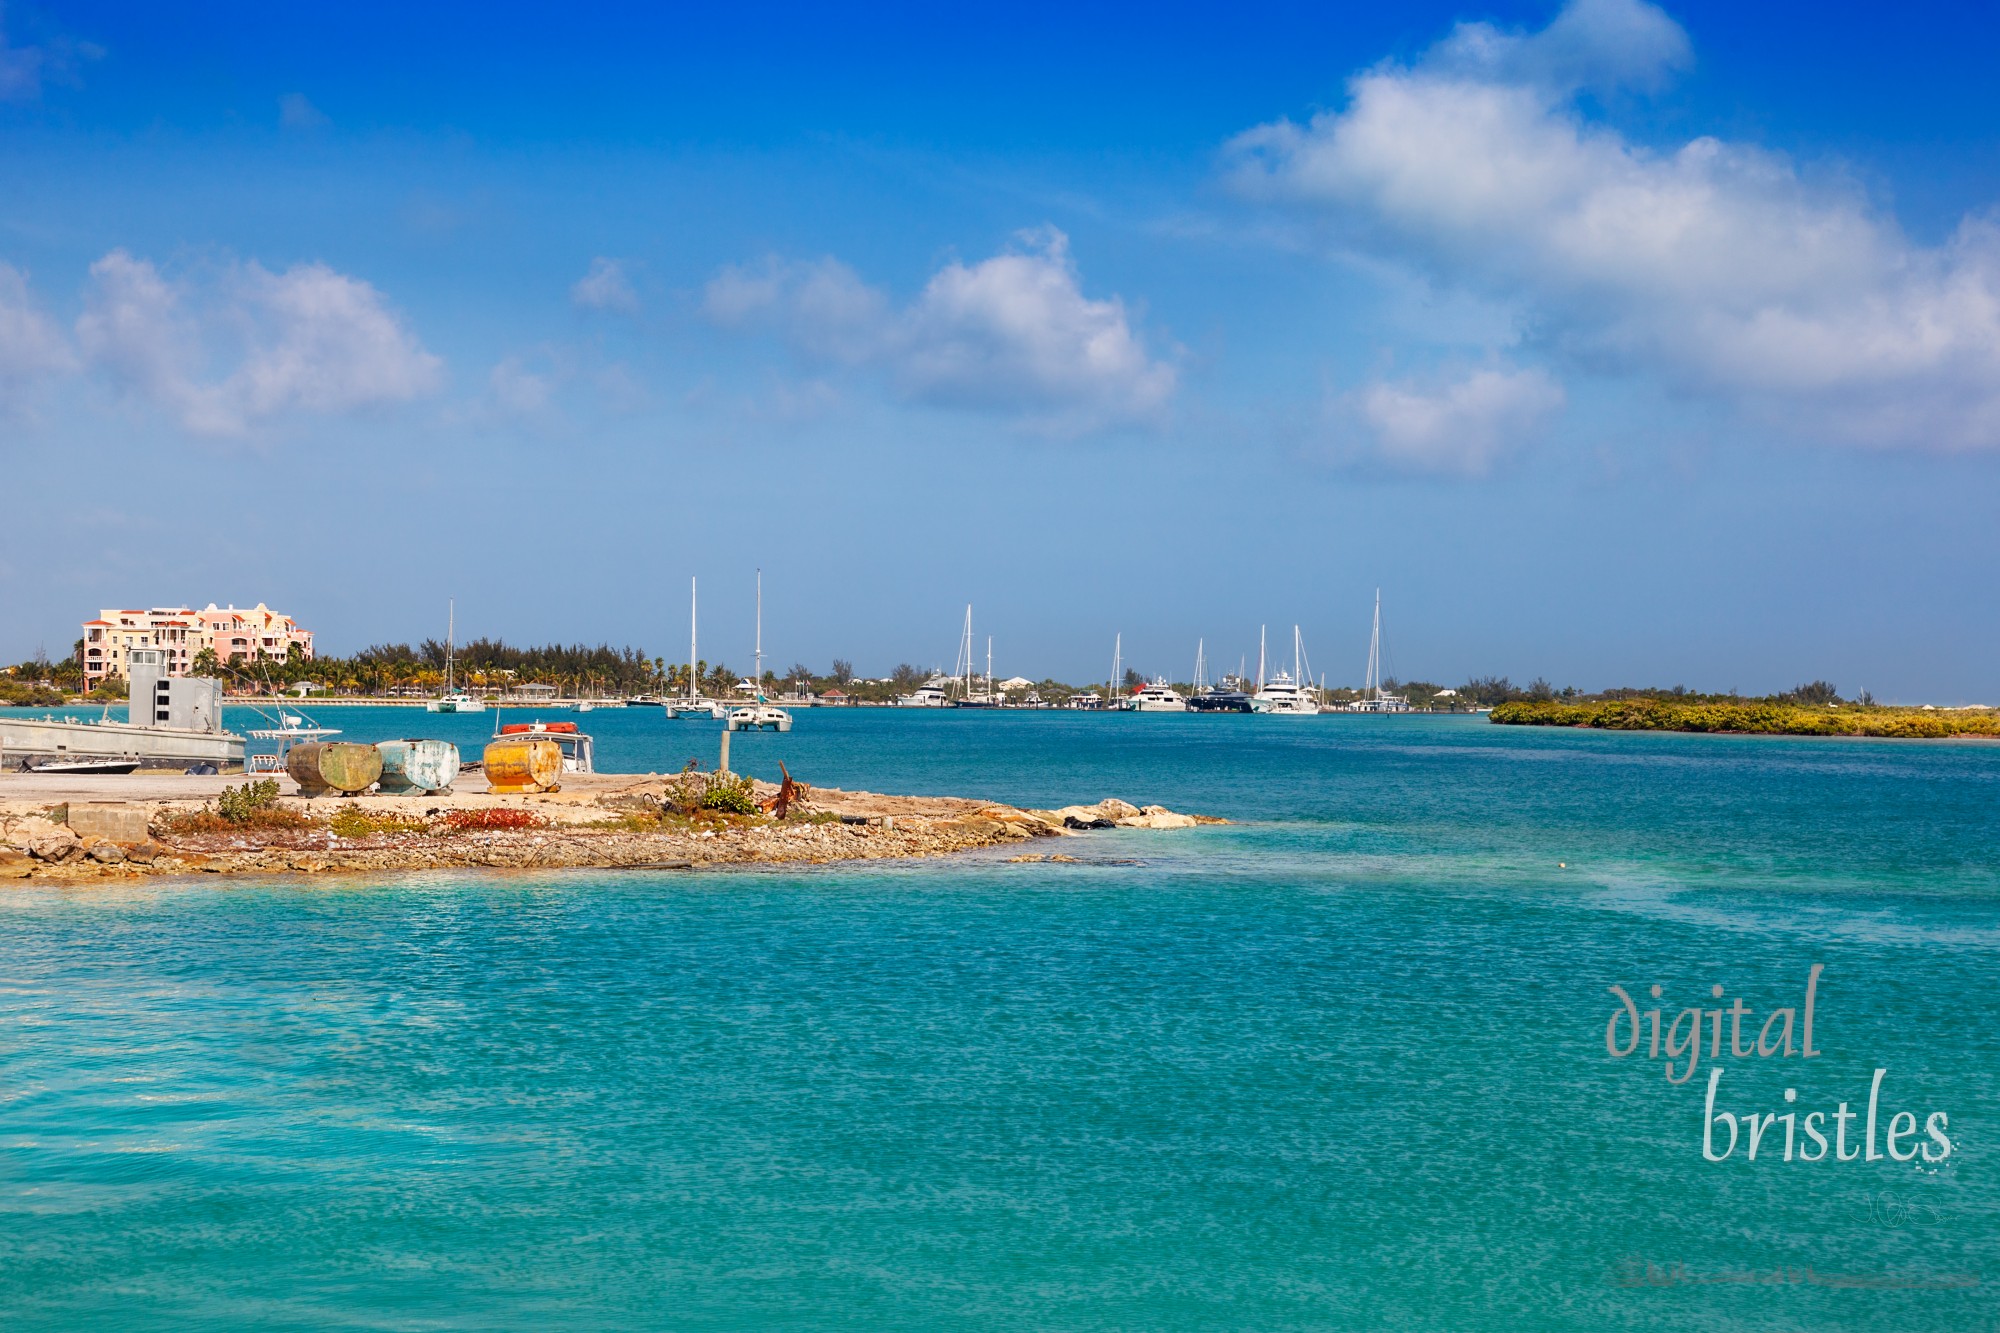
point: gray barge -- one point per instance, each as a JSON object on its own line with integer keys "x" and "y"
{"x": 174, "y": 721}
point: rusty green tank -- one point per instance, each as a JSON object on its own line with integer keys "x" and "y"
{"x": 343, "y": 766}
{"x": 417, "y": 767}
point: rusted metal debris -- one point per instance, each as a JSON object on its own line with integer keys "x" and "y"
{"x": 791, "y": 793}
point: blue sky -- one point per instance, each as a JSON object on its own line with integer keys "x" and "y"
{"x": 1615, "y": 344}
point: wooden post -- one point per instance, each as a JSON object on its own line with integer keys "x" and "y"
{"x": 723, "y": 767}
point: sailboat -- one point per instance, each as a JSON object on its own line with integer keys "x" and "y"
{"x": 1286, "y": 693}
{"x": 762, "y": 714}
{"x": 692, "y": 704}
{"x": 967, "y": 698}
{"x": 453, "y": 700}
{"x": 1373, "y": 698}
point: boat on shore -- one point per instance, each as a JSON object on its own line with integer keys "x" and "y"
{"x": 181, "y": 729}
{"x": 578, "y": 749}
{"x": 80, "y": 767}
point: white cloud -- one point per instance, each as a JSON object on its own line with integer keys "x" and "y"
{"x": 1597, "y": 44}
{"x": 25, "y": 69}
{"x": 518, "y": 389}
{"x": 1462, "y": 427}
{"x": 1013, "y": 333}
{"x": 20, "y": 70}
{"x": 297, "y": 113}
{"x": 1718, "y": 265}
{"x": 605, "y": 287}
{"x": 31, "y": 346}
{"x": 304, "y": 340}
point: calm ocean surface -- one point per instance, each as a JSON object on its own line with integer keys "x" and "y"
{"x": 1340, "y": 1066}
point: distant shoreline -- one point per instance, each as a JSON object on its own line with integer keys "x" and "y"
{"x": 1755, "y": 719}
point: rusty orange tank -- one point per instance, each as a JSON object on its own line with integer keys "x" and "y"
{"x": 516, "y": 765}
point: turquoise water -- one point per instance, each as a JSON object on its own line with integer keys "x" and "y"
{"x": 1341, "y": 1066}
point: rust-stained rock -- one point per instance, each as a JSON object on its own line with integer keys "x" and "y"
{"x": 54, "y": 848}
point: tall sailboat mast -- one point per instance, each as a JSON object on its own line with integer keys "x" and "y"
{"x": 1117, "y": 661}
{"x": 965, "y": 657}
{"x": 1372, "y": 686}
{"x": 1200, "y": 666}
{"x": 760, "y": 635}
{"x": 1260, "y": 657}
{"x": 694, "y": 686}
{"x": 450, "y": 637}
{"x": 989, "y": 668}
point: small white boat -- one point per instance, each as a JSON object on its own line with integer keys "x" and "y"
{"x": 927, "y": 696}
{"x": 1159, "y": 697}
{"x": 759, "y": 717}
{"x": 709, "y": 708}
{"x": 71, "y": 767}
{"x": 455, "y": 701}
{"x": 1089, "y": 702}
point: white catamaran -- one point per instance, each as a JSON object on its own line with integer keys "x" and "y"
{"x": 761, "y": 715}
{"x": 453, "y": 700}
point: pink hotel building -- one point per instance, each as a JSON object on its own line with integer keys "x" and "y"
{"x": 236, "y": 636}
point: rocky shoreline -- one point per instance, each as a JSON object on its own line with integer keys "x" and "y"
{"x": 623, "y": 823}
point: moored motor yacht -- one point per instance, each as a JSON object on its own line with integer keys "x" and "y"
{"x": 1220, "y": 699}
{"x": 1158, "y": 697}
{"x": 1282, "y": 695}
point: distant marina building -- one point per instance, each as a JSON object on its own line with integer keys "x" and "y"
{"x": 182, "y": 633}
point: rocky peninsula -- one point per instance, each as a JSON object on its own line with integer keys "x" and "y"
{"x": 80, "y": 829}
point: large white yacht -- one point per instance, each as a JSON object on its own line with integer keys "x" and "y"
{"x": 1284, "y": 693}
{"x": 1158, "y": 697}
{"x": 927, "y": 696}
{"x": 1281, "y": 694}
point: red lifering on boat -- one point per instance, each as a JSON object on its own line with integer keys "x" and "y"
{"x": 517, "y": 728}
